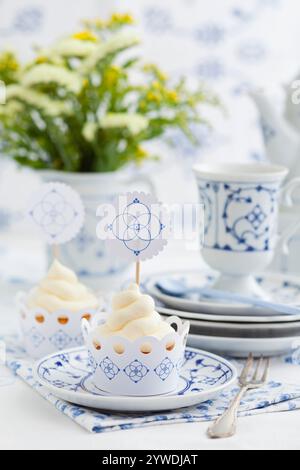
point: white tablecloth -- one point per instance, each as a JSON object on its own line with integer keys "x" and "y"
{"x": 27, "y": 421}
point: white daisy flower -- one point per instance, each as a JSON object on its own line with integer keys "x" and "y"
{"x": 89, "y": 131}
{"x": 47, "y": 73}
{"x": 39, "y": 100}
{"x": 135, "y": 123}
{"x": 115, "y": 43}
{"x": 74, "y": 48}
{"x": 10, "y": 108}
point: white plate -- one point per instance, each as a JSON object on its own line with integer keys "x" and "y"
{"x": 268, "y": 319}
{"x": 240, "y": 347}
{"x": 266, "y": 330}
{"x": 67, "y": 376}
{"x": 243, "y": 330}
{"x": 282, "y": 287}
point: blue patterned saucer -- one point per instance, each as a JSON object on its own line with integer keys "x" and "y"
{"x": 67, "y": 375}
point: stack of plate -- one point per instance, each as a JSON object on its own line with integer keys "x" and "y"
{"x": 231, "y": 328}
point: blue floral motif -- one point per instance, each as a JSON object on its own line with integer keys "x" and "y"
{"x": 60, "y": 340}
{"x": 78, "y": 340}
{"x": 164, "y": 369}
{"x": 14, "y": 367}
{"x": 293, "y": 358}
{"x": 28, "y": 20}
{"x": 158, "y": 20}
{"x": 268, "y": 132}
{"x": 210, "y": 33}
{"x": 91, "y": 362}
{"x": 211, "y": 68}
{"x": 35, "y": 337}
{"x": 137, "y": 227}
{"x": 136, "y": 371}
{"x": 189, "y": 355}
{"x": 256, "y": 217}
{"x": 83, "y": 240}
{"x": 252, "y": 229}
{"x": 252, "y": 52}
{"x": 109, "y": 368}
{"x": 53, "y": 213}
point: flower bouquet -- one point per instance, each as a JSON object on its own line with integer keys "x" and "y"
{"x": 87, "y": 104}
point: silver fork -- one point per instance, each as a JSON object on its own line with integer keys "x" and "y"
{"x": 225, "y": 425}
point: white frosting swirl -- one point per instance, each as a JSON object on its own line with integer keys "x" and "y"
{"x": 133, "y": 316}
{"x": 61, "y": 290}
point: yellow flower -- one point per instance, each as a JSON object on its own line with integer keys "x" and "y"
{"x": 120, "y": 19}
{"x": 162, "y": 76}
{"x": 41, "y": 59}
{"x": 111, "y": 75}
{"x": 143, "y": 105}
{"x": 153, "y": 69}
{"x": 117, "y": 19}
{"x": 8, "y": 62}
{"x": 85, "y": 36}
{"x": 97, "y": 23}
{"x": 156, "y": 85}
{"x": 172, "y": 96}
{"x": 141, "y": 153}
{"x": 153, "y": 97}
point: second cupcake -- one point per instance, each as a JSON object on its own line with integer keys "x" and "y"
{"x": 51, "y": 313}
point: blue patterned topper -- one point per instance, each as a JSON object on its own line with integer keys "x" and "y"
{"x": 135, "y": 227}
{"x": 57, "y": 210}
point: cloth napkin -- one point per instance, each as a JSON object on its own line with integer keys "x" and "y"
{"x": 274, "y": 397}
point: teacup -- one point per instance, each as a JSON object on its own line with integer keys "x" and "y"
{"x": 241, "y": 204}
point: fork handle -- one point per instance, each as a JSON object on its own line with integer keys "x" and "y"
{"x": 225, "y": 425}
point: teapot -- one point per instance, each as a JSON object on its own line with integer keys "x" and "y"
{"x": 281, "y": 135}
{"x": 281, "y": 129}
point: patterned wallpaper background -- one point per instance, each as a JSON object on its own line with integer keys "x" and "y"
{"x": 233, "y": 45}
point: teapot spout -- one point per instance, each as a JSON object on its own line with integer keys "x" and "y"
{"x": 281, "y": 140}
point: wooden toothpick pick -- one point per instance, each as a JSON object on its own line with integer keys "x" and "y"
{"x": 55, "y": 251}
{"x": 138, "y": 272}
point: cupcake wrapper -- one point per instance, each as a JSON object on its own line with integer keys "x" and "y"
{"x": 44, "y": 333}
{"x": 144, "y": 367}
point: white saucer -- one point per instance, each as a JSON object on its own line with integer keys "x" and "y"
{"x": 240, "y": 347}
{"x": 67, "y": 376}
{"x": 283, "y": 288}
{"x": 268, "y": 319}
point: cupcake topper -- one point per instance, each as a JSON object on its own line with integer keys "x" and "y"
{"x": 136, "y": 227}
{"x": 57, "y": 210}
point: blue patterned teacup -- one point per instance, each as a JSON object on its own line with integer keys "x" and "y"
{"x": 241, "y": 204}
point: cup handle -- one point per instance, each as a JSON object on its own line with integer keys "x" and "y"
{"x": 287, "y": 201}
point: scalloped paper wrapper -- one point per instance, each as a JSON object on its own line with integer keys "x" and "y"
{"x": 44, "y": 333}
{"x": 144, "y": 367}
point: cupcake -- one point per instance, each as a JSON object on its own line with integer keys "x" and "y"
{"x": 51, "y": 312}
{"x": 135, "y": 351}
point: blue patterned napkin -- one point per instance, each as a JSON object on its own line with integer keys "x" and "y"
{"x": 274, "y": 397}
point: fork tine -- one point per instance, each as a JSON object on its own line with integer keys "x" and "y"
{"x": 265, "y": 373}
{"x": 258, "y": 366}
{"x": 247, "y": 367}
